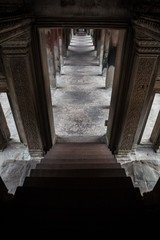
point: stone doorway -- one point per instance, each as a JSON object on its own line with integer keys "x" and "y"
{"x": 80, "y": 100}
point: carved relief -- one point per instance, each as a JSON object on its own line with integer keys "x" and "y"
{"x": 19, "y": 45}
{"x": 13, "y": 28}
{"x": 142, "y": 81}
{"x": 24, "y": 96}
{"x": 145, "y": 44}
{"x": 150, "y": 24}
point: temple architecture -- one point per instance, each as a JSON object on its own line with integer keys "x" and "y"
{"x": 50, "y": 52}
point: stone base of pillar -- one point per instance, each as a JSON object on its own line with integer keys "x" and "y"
{"x": 124, "y": 155}
{"x": 36, "y": 153}
{"x": 104, "y": 72}
{"x": 110, "y": 76}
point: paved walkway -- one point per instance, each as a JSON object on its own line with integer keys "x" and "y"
{"x": 81, "y": 102}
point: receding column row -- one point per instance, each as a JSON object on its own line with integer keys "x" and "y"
{"x": 57, "y": 42}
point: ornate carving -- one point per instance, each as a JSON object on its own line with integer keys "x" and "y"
{"x": 142, "y": 80}
{"x": 21, "y": 76}
{"x": 149, "y": 26}
{"x": 145, "y": 44}
{"x": 18, "y": 45}
{"x": 149, "y": 23}
{"x": 13, "y": 28}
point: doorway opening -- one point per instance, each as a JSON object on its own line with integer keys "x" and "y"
{"x": 81, "y": 65}
{"x": 154, "y": 111}
{"x": 14, "y": 148}
{"x": 9, "y": 117}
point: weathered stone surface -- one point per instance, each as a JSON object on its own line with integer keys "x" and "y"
{"x": 13, "y": 173}
{"x": 144, "y": 173}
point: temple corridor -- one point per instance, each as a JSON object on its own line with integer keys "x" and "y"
{"x": 79, "y": 116}
{"x": 81, "y": 101}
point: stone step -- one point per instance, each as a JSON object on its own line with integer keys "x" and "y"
{"x": 79, "y": 148}
{"x": 78, "y": 173}
{"x": 62, "y": 156}
{"x": 77, "y": 165}
{"x": 79, "y": 198}
{"x": 79, "y": 160}
{"x": 76, "y": 154}
{"x": 82, "y": 155}
{"x": 78, "y": 183}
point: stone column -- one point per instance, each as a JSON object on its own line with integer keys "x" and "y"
{"x": 98, "y": 41}
{"x": 68, "y": 38}
{"x": 94, "y": 39}
{"x": 4, "y": 130}
{"x": 116, "y": 106}
{"x": 101, "y": 47}
{"x": 50, "y": 56}
{"x": 106, "y": 50}
{"x": 155, "y": 136}
{"x": 141, "y": 84}
{"x": 18, "y": 63}
{"x": 64, "y": 42}
{"x": 43, "y": 45}
{"x": 56, "y": 51}
{"x": 112, "y": 57}
{"x": 60, "y": 48}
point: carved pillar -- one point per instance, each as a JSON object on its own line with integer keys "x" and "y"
{"x": 155, "y": 136}
{"x": 98, "y": 41}
{"x": 106, "y": 50}
{"x": 112, "y": 57}
{"x": 141, "y": 84}
{"x": 18, "y": 63}
{"x": 43, "y": 44}
{"x": 56, "y": 51}
{"x": 119, "y": 84}
{"x": 4, "y": 130}
{"x": 64, "y": 42}
{"x": 94, "y": 39}
{"x": 50, "y": 56}
{"x": 67, "y": 38}
{"x": 101, "y": 46}
{"x": 60, "y": 48}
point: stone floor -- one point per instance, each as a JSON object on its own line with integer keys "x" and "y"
{"x": 80, "y": 107}
{"x": 143, "y": 166}
{"x": 81, "y": 102}
{"x": 15, "y": 161}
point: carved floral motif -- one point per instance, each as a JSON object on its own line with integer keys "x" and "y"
{"x": 142, "y": 80}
